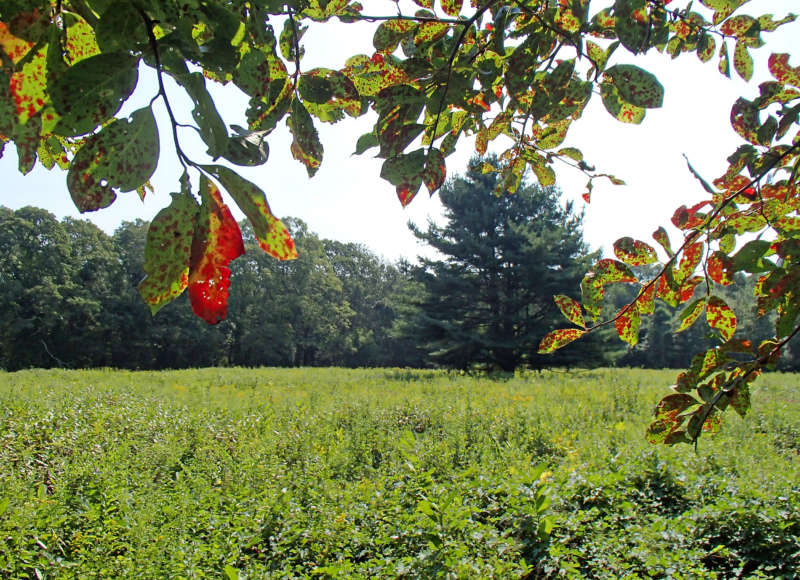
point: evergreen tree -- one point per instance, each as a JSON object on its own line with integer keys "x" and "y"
{"x": 489, "y": 299}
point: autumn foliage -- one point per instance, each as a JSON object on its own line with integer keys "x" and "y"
{"x": 513, "y": 74}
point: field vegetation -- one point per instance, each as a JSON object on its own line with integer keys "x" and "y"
{"x": 326, "y": 473}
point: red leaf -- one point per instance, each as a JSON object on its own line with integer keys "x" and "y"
{"x": 558, "y": 338}
{"x": 217, "y": 241}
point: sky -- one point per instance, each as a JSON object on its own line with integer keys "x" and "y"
{"x": 348, "y": 201}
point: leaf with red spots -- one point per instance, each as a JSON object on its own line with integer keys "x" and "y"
{"x": 306, "y": 146}
{"x": 217, "y": 241}
{"x": 371, "y": 75}
{"x": 668, "y": 416}
{"x": 430, "y": 31}
{"x": 720, "y": 268}
{"x": 780, "y": 69}
{"x": 691, "y": 313}
{"x": 81, "y": 41}
{"x": 389, "y": 34}
{"x": 722, "y": 8}
{"x": 452, "y": 7}
{"x": 609, "y": 271}
{"x": 619, "y": 109}
{"x": 627, "y": 324}
{"x": 273, "y": 236}
{"x": 636, "y": 86}
{"x": 739, "y": 26}
{"x": 660, "y": 235}
{"x": 634, "y": 252}
{"x": 692, "y": 255}
{"x": 435, "y": 171}
{"x": 28, "y": 84}
{"x": 724, "y": 60}
{"x": 167, "y": 252}
{"x": 120, "y": 157}
{"x": 647, "y": 299}
{"x": 405, "y": 173}
{"x": 570, "y": 309}
{"x": 720, "y": 317}
{"x": 556, "y": 339}
{"x": 92, "y": 91}
{"x": 742, "y": 61}
{"x": 632, "y": 24}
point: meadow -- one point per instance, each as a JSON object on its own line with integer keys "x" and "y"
{"x": 336, "y": 473}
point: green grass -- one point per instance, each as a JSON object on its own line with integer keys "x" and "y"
{"x": 273, "y": 473}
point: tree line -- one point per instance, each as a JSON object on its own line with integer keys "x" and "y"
{"x": 69, "y": 296}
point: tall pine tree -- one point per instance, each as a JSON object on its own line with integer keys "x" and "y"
{"x": 489, "y": 299}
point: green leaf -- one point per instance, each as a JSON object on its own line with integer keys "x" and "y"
{"x": 749, "y": 257}
{"x": 570, "y": 309}
{"x": 272, "y": 235}
{"x": 212, "y": 127}
{"x": 619, "y": 109}
{"x": 121, "y": 157}
{"x": 365, "y": 142}
{"x": 121, "y": 28}
{"x": 636, "y": 86}
{"x": 92, "y": 91}
{"x": 559, "y": 338}
{"x": 217, "y": 240}
{"x": 720, "y": 317}
{"x": 634, "y": 252}
{"x": 247, "y": 147}
{"x": 306, "y": 146}
{"x": 404, "y": 173}
{"x": 167, "y": 252}
{"x": 632, "y": 24}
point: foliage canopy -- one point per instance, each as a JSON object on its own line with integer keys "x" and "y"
{"x": 520, "y": 69}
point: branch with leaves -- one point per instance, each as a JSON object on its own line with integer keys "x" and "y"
{"x": 518, "y": 72}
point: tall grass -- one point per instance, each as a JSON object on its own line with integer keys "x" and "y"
{"x": 262, "y": 473}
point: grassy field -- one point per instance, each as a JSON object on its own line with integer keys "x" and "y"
{"x": 333, "y": 473}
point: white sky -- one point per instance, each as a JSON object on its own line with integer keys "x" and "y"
{"x": 347, "y": 200}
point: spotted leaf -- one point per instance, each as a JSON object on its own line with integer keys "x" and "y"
{"x": 92, "y": 91}
{"x": 389, "y": 34}
{"x": 720, "y": 268}
{"x": 556, "y": 339}
{"x": 720, "y": 317}
{"x": 633, "y": 252}
{"x": 609, "y": 271}
{"x": 691, "y": 313}
{"x": 742, "y": 61}
{"x": 636, "y": 86}
{"x": 627, "y": 324}
{"x": 272, "y": 235}
{"x": 780, "y": 69}
{"x": 306, "y": 146}
{"x": 217, "y": 240}
{"x": 167, "y": 252}
{"x": 570, "y": 309}
{"x": 619, "y": 109}
{"x": 632, "y": 24}
{"x": 120, "y": 157}
{"x": 660, "y": 235}
{"x": 452, "y": 7}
